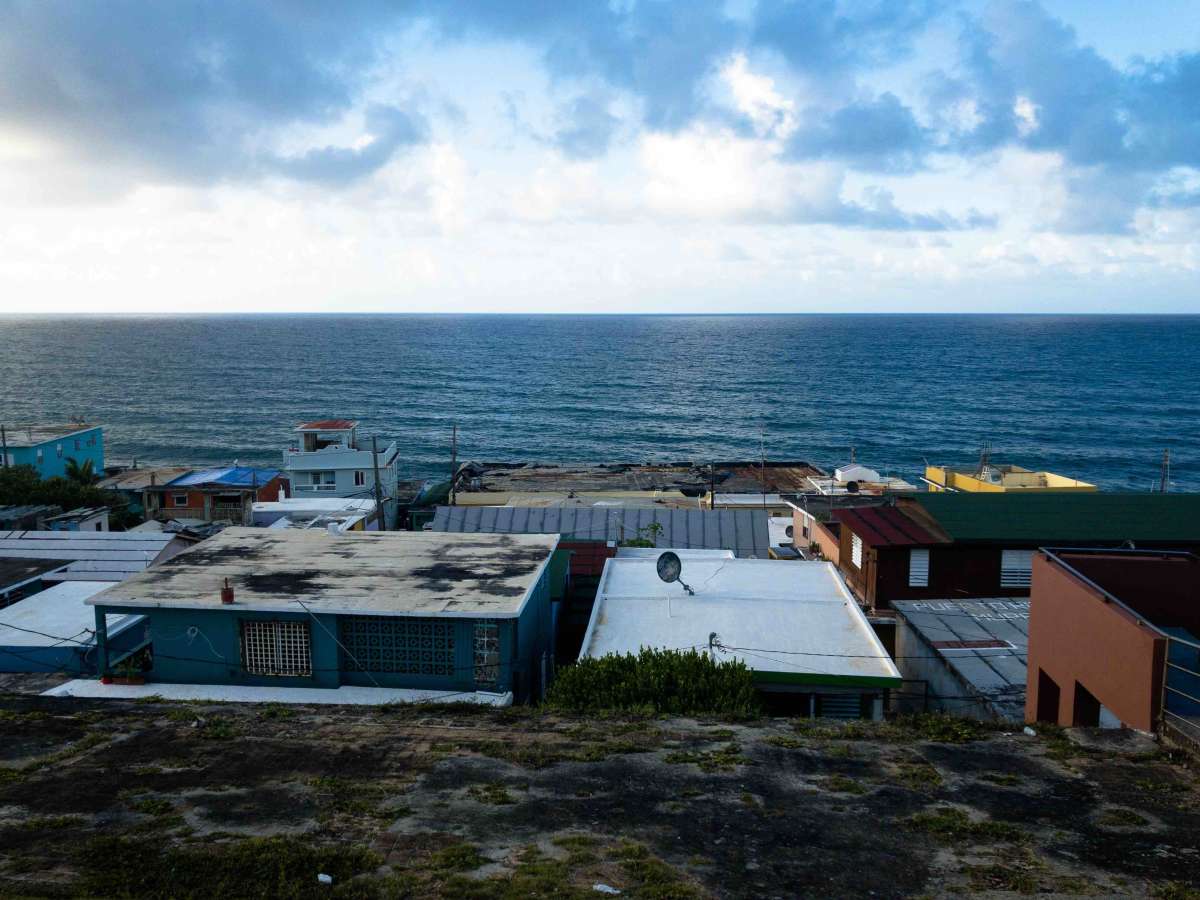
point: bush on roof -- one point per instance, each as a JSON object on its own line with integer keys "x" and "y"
{"x": 672, "y": 682}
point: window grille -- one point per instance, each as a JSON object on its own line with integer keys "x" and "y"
{"x": 856, "y": 550}
{"x": 1016, "y": 568}
{"x": 276, "y": 648}
{"x": 487, "y": 653}
{"x": 394, "y": 645}
{"x": 918, "y": 568}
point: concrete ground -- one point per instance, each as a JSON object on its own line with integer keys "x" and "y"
{"x": 151, "y": 798}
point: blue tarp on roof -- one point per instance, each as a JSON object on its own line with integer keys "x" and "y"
{"x": 232, "y": 476}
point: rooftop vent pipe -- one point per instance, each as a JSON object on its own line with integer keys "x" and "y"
{"x": 226, "y": 593}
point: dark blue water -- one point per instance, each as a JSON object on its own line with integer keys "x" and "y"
{"x": 1097, "y": 398}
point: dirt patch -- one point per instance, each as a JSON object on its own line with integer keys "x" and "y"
{"x": 438, "y": 801}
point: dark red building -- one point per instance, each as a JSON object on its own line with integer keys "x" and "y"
{"x": 943, "y": 546}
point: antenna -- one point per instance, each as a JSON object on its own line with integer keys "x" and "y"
{"x": 985, "y": 455}
{"x": 669, "y": 568}
{"x": 1165, "y": 479}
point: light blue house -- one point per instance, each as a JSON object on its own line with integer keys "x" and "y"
{"x": 466, "y": 616}
{"x": 48, "y": 447}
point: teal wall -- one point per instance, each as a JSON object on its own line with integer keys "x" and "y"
{"x": 83, "y": 446}
{"x": 204, "y": 647}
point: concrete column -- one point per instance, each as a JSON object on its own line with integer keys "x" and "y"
{"x": 101, "y": 642}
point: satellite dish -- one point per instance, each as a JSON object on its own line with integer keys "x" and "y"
{"x": 669, "y": 568}
{"x": 851, "y": 487}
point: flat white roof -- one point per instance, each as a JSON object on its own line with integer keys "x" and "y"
{"x": 794, "y": 618}
{"x": 751, "y": 500}
{"x": 59, "y": 611}
{"x": 391, "y": 573}
{"x": 316, "y": 504}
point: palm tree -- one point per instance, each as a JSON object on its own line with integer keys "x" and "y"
{"x": 84, "y": 474}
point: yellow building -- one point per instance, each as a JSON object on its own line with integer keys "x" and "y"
{"x": 1000, "y": 479}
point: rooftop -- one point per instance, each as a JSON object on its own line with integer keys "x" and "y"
{"x": 16, "y": 570}
{"x": 89, "y": 555}
{"x": 1161, "y": 589}
{"x": 887, "y": 526}
{"x": 327, "y": 425}
{"x": 58, "y": 613}
{"x": 693, "y": 477}
{"x": 32, "y": 435}
{"x": 140, "y": 479}
{"x": 985, "y": 642}
{"x": 228, "y": 476}
{"x": 742, "y": 531}
{"x": 78, "y": 514}
{"x": 393, "y": 573}
{"x": 790, "y": 619}
{"x": 1066, "y": 518}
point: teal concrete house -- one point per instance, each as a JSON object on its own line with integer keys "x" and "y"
{"x": 463, "y": 614}
{"x": 48, "y": 447}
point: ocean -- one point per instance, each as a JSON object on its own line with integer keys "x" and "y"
{"x": 1093, "y": 397}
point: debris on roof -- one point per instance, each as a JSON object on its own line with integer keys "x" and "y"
{"x": 229, "y": 476}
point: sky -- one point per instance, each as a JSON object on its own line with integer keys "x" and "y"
{"x": 627, "y": 156}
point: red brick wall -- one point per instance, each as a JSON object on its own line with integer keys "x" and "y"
{"x": 1075, "y": 636}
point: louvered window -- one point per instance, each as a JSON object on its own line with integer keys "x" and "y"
{"x": 918, "y": 568}
{"x": 276, "y": 648}
{"x": 856, "y": 550}
{"x": 1016, "y": 568}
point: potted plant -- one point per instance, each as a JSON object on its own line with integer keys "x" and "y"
{"x": 128, "y": 671}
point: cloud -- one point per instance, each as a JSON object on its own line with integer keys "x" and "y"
{"x": 185, "y": 90}
{"x": 879, "y": 134}
{"x": 585, "y": 127}
{"x": 389, "y": 129}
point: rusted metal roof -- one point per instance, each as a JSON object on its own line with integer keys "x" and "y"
{"x": 885, "y": 526}
{"x": 327, "y": 425}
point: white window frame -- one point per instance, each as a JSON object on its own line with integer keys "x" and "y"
{"x": 1016, "y": 568}
{"x": 175, "y": 500}
{"x": 918, "y": 567}
{"x": 856, "y": 550}
{"x": 323, "y": 481}
{"x": 277, "y": 648}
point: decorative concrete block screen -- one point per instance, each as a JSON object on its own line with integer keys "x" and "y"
{"x": 276, "y": 648}
{"x": 402, "y": 646}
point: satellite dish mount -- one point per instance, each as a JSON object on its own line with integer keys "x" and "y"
{"x": 669, "y": 568}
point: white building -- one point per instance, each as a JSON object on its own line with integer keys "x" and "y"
{"x": 328, "y": 460}
{"x": 796, "y": 626}
{"x": 345, "y": 513}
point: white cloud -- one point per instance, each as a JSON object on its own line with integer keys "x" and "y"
{"x": 756, "y": 98}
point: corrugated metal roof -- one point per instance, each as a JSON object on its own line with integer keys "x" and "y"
{"x": 230, "y": 476}
{"x": 1066, "y": 518}
{"x": 32, "y": 435}
{"x": 744, "y": 531}
{"x": 885, "y": 526}
{"x": 997, "y": 673}
{"x": 327, "y": 425}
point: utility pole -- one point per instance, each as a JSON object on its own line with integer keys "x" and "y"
{"x": 712, "y": 485}
{"x": 1165, "y": 480}
{"x": 453, "y": 462}
{"x": 380, "y": 517}
{"x": 3, "y": 448}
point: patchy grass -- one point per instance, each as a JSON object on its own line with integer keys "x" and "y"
{"x": 1175, "y": 890}
{"x": 218, "y": 728}
{"x": 840, "y": 784}
{"x": 1005, "y": 779}
{"x": 1001, "y": 877}
{"x": 457, "y": 858}
{"x": 49, "y": 823}
{"x": 117, "y": 867}
{"x": 276, "y": 711}
{"x": 951, "y": 824}
{"x": 918, "y": 776}
{"x": 493, "y": 793}
{"x": 726, "y": 759}
{"x": 1120, "y": 817}
{"x": 150, "y": 806}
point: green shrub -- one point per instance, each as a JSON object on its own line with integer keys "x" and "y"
{"x": 654, "y": 682}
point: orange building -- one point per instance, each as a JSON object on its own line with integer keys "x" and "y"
{"x": 1103, "y": 626}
